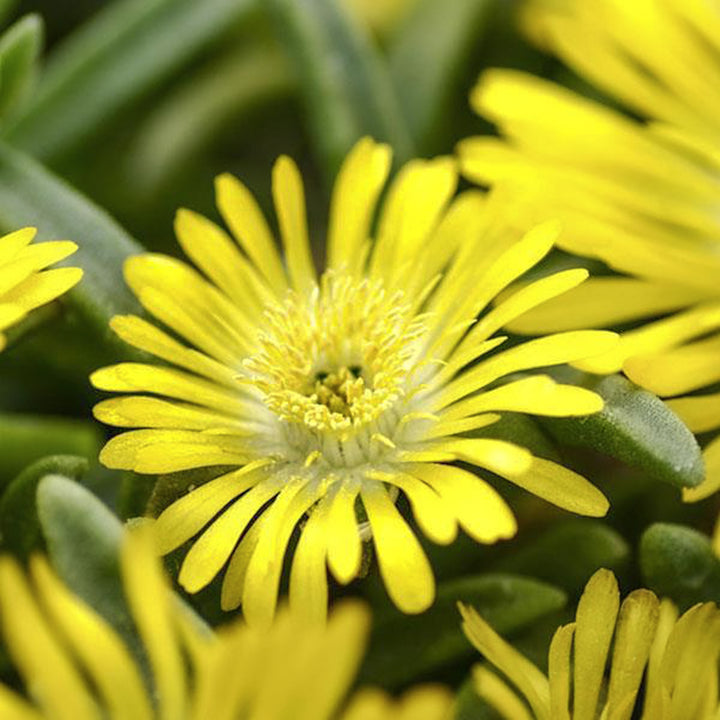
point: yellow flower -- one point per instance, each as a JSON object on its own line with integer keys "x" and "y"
{"x": 25, "y": 284}
{"x": 679, "y": 658}
{"x": 326, "y": 397}
{"x": 640, "y": 196}
{"x": 75, "y": 666}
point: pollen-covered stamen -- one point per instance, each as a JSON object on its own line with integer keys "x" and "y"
{"x": 337, "y": 358}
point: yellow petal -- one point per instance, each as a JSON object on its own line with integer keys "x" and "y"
{"x": 262, "y": 578}
{"x": 426, "y": 702}
{"x": 43, "y": 662}
{"x": 160, "y": 451}
{"x": 358, "y": 185}
{"x": 604, "y": 302}
{"x": 141, "y": 334}
{"x": 677, "y": 371}
{"x": 498, "y": 695}
{"x": 13, "y": 707}
{"x": 537, "y": 395}
{"x": 513, "y": 310}
{"x": 247, "y": 223}
{"x": 105, "y": 658}
{"x": 344, "y": 545}
{"x": 217, "y": 256}
{"x": 42, "y": 288}
{"x": 562, "y": 487}
{"x": 185, "y": 517}
{"x": 656, "y": 337}
{"x": 137, "y": 377}
{"x": 212, "y": 549}
{"x": 308, "y": 576}
{"x": 635, "y": 633}
{"x": 503, "y": 458}
{"x": 12, "y": 243}
{"x": 148, "y": 596}
{"x": 699, "y": 412}
{"x": 404, "y": 568}
{"x": 414, "y": 204}
{"x": 233, "y": 583}
{"x": 481, "y": 512}
{"x": 711, "y": 483}
{"x": 550, "y": 350}
{"x": 559, "y": 672}
{"x": 432, "y": 513}
{"x": 9, "y": 315}
{"x": 595, "y": 623}
{"x": 139, "y": 411}
{"x": 289, "y": 198}
{"x": 524, "y": 675}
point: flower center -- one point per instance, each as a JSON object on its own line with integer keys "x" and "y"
{"x": 338, "y": 357}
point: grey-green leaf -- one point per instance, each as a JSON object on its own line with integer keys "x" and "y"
{"x": 634, "y": 427}
{"x": 20, "y": 48}
{"x": 347, "y": 90}
{"x": 121, "y": 54}
{"x": 19, "y": 525}
{"x": 404, "y": 648}
{"x": 83, "y": 540}
{"x": 678, "y": 562}
{"x": 32, "y": 195}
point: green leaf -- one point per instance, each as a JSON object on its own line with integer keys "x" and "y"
{"x": 404, "y": 648}
{"x": 20, "y": 48}
{"x": 347, "y": 89}
{"x": 182, "y": 126}
{"x": 634, "y": 427}
{"x": 469, "y": 706}
{"x": 83, "y": 540}
{"x": 567, "y": 554}
{"x": 118, "y": 56}
{"x": 429, "y": 53}
{"x": 31, "y": 195}
{"x": 6, "y": 7}
{"x": 678, "y": 562}
{"x": 19, "y": 524}
{"x": 25, "y": 439}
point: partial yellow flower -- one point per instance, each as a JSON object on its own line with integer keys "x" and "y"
{"x": 640, "y": 196}
{"x": 678, "y": 657}
{"x": 324, "y": 398}
{"x": 25, "y": 283}
{"x": 75, "y": 666}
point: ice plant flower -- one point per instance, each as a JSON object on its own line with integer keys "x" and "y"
{"x": 75, "y": 666}
{"x": 639, "y": 195}
{"x": 25, "y": 281}
{"x": 678, "y": 657}
{"x": 323, "y": 398}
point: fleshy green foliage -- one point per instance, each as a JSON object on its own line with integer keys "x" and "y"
{"x": 634, "y": 427}
{"x": 18, "y": 505}
{"x": 678, "y": 562}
